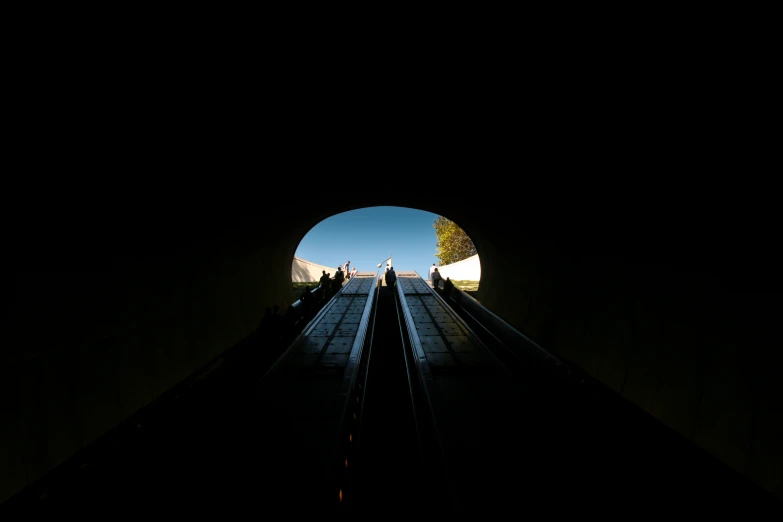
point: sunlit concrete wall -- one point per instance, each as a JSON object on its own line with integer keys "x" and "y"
{"x": 305, "y": 272}
{"x": 466, "y": 270}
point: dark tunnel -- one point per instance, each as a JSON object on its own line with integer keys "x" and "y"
{"x": 669, "y": 298}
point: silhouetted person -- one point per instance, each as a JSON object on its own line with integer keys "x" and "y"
{"x": 275, "y": 324}
{"x": 306, "y": 298}
{"x": 339, "y": 278}
{"x": 436, "y": 278}
{"x": 266, "y": 323}
{"x": 390, "y": 276}
{"x": 268, "y": 332}
{"x": 326, "y": 283}
{"x": 447, "y": 286}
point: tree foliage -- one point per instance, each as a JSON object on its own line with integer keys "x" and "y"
{"x": 453, "y": 243}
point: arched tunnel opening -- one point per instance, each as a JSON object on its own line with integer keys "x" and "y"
{"x": 110, "y": 316}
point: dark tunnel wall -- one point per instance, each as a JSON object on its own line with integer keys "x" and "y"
{"x": 94, "y": 346}
{"x": 116, "y": 319}
{"x": 619, "y": 191}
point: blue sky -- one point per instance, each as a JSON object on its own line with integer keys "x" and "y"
{"x": 368, "y": 236}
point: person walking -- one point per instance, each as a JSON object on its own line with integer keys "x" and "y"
{"x": 326, "y": 283}
{"x": 436, "y": 278}
{"x": 390, "y": 277}
{"x": 339, "y": 279}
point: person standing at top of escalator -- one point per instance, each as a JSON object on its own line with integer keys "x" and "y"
{"x": 390, "y": 277}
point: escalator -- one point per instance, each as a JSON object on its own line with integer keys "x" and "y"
{"x": 387, "y": 403}
{"x": 390, "y": 467}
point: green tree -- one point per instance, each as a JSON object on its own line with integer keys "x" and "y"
{"x": 453, "y": 243}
